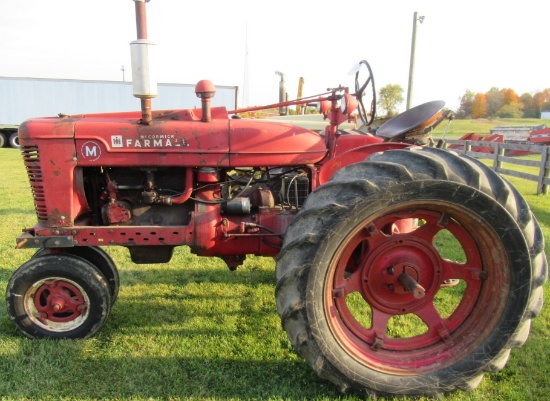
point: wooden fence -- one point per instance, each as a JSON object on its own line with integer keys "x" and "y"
{"x": 502, "y": 153}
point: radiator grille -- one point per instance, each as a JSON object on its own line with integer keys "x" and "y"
{"x": 32, "y": 163}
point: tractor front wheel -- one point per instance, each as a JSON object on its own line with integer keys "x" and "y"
{"x": 58, "y": 296}
{"x": 97, "y": 257}
{"x": 411, "y": 273}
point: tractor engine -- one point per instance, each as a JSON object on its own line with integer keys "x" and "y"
{"x": 247, "y": 208}
{"x": 158, "y": 196}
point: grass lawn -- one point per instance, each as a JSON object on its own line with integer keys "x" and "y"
{"x": 483, "y": 126}
{"x": 192, "y": 329}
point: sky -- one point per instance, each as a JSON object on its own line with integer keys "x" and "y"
{"x": 460, "y": 45}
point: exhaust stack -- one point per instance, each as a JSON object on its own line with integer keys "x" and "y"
{"x": 142, "y": 51}
{"x": 282, "y": 93}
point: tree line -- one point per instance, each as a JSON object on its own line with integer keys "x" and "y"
{"x": 503, "y": 103}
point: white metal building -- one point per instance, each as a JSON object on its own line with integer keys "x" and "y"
{"x": 24, "y": 98}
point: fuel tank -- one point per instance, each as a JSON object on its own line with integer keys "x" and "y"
{"x": 180, "y": 138}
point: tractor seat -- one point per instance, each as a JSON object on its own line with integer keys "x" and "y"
{"x": 414, "y": 121}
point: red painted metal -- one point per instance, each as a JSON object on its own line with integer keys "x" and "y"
{"x": 205, "y": 90}
{"x": 59, "y": 301}
{"x": 355, "y": 155}
{"x": 256, "y": 143}
{"x": 62, "y": 153}
{"x": 540, "y": 136}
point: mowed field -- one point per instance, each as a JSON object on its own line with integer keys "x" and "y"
{"x": 482, "y": 126}
{"x": 192, "y": 329}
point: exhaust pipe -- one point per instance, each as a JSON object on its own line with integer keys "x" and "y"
{"x": 143, "y": 73}
{"x": 282, "y": 93}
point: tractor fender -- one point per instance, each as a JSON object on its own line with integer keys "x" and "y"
{"x": 354, "y": 156}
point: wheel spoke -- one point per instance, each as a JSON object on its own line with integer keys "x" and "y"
{"x": 352, "y": 258}
{"x": 454, "y": 270}
{"x": 352, "y": 283}
{"x": 429, "y": 230}
{"x": 380, "y": 321}
{"x": 431, "y": 317}
{"x": 436, "y": 324}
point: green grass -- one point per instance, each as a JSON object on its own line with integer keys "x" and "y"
{"x": 482, "y": 126}
{"x": 192, "y": 329}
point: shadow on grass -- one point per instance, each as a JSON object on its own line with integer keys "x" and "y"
{"x": 169, "y": 336}
{"x": 162, "y": 378}
{"x": 71, "y": 369}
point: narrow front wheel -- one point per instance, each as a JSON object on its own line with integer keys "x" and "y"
{"x": 58, "y": 296}
{"x": 97, "y": 257}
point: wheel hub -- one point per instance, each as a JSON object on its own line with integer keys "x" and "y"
{"x": 58, "y": 301}
{"x": 401, "y": 276}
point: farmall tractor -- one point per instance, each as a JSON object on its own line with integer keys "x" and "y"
{"x": 355, "y": 218}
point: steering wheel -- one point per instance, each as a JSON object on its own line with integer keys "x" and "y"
{"x": 360, "y": 93}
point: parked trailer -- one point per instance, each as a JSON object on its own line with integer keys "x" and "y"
{"x": 24, "y": 98}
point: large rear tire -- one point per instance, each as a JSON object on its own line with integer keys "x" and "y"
{"x": 367, "y": 298}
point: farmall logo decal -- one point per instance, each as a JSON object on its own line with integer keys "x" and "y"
{"x": 148, "y": 141}
{"x": 90, "y": 151}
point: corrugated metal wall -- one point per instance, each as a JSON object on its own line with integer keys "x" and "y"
{"x": 23, "y": 98}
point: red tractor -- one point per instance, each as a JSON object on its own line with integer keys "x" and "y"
{"x": 355, "y": 218}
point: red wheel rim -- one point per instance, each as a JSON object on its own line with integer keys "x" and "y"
{"x": 57, "y": 304}
{"x": 388, "y": 275}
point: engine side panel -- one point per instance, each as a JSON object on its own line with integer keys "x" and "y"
{"x": 262, "y": 143}
{"x": 176, "y": 139}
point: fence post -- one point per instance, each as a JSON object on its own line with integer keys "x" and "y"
{"x": 542, "y": 188}
{"x": 499, "y": 151}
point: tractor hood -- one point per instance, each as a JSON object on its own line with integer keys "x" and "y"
{"x": 180, "y": 138}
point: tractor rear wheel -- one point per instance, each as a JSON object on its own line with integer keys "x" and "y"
{"x": 58, "y": 296}
{"x": 411, "y": 273}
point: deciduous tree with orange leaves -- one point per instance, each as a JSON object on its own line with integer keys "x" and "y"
{"x": 479, "y": 106}
{"x": 504, "y": 103}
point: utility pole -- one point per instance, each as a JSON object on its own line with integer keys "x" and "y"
{"x": 411, "y": 67}
{"x": 245, "y": 79}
